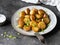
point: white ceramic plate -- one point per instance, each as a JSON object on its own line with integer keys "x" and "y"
{"x": 51, "y": 26}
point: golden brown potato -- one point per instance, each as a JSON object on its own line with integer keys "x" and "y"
{"x": 32, "y": 12}
{"x": 41, "y": 12}
{"x": 41, "y": 25}
{"x": 36, "y": 10}
{"x": 20, "y": 23}
{"x": 33, "y": 23}
{"x": 39, "y": 16}
{"x": 27, "y": 16}
{"x": 27, "y": 11}
{"x": 26, "y": 28}
{"x": 46, "y": 20}
{"x": 32, "y": 17}
{"x": 35, "y": 29}
{"x": 27, "y": 21}
{"x": 22, "y": 14}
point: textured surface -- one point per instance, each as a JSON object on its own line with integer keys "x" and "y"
{"x": 8, "y": 7}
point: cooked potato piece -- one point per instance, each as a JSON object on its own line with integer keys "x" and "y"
{"x": 35, "y": 29}
{"x": 20, "y": 23}
{"x": 26, "y": 28}
{"x": 39, "y": 16}
{"x": 33, "y": 23}
{"x": 21, "y": 19}
{"x": 41, "y": 12}
{"x": 27, "y": 16}
{"x": 32, "y": 17}
{"x": 22, "y": 14}
{"x": 46, "y": 20}
{"x": 32, "y": 12}
{"x": 27, "y": 21}
{"x": 27, "y": 11}
{"x": 41, "y": 25}
{"x": 45, "y": 16}
{"x": 36, "y": 10}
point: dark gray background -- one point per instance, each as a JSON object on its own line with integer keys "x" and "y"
{"x": 8, "y": 7}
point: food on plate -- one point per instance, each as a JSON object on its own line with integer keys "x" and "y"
{"x": 46, "y": 20}
{"x": 32, "y": 17}
{"x": 33, "y": 20}
{"x": 39, "y": 16}
{"x": 41, "y": 12}
{"x": 27, "y": 11}
{"x": 22, "y": 13}
{"x": 35, "y": 29}
{"x": 41, "y": 25}
{"x": 26, "y": 28}
{"x": 20, "y": 23}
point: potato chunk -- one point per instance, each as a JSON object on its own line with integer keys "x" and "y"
{"x": 26, "y": 28}
{"x": 39, "y": 16}
{"x": 20, "y": 23}
{"x": 36, "y": 10}
{"x": 27, "y": 16}
{"x": 41, "y": 25}
{"x": 22, "y": 14}
{"x": 32, "y": 12}
{"x": 33, "y": 23}
{"x": 32, "y": 17}
{"x": 27, "y": 11}
{"x": 46, "y": 20}
{"x": 35, "y": 29}
{"x": 41, "y": 12}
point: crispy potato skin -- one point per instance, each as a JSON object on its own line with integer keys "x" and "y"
{"x": 26, "y": 28}
{"x": 41, "y": 25}
{"x": 27, "y": 16}
{"x": 22, "y": 13}
{"x": 46, "y": 20}
{"x": 39, "y": 16}
{"x": 36, "y": 10}
{"x": 35, "y": 29}
{"x": 20, "y": 22}
{"x": 32, "y": 17}
{"x": 41, "y": 12}
{"x": 32, "y": 12}
{"x": 27, "y": 11}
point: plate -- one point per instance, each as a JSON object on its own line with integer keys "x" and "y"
{"x": 51, "y": 26}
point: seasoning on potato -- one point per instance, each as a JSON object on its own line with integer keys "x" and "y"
{"x": 33, "y": 20}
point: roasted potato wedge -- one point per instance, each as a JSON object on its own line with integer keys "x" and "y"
{"x": 27, "y": 11}
{"x": 41, "y": 12}
{"x": 20, "y": 23}
{"x": 36, "y": 10}
{"x": 22, "y": 13}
